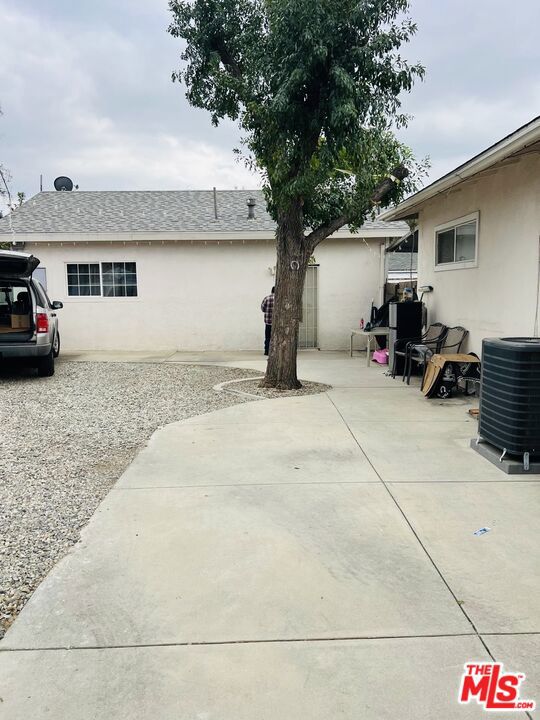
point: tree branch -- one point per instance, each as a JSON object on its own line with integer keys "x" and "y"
{"x": 382, "y": 191}
{"x": 322, "y": 232}
{"x": 5, "y": 177}
{"x": 390, "y": 183}
{"x": 230, "y": 63}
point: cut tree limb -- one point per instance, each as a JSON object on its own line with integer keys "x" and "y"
{"x": 389, "y": 184}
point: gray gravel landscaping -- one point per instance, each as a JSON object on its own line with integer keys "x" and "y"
{"x": 64, "y": 442}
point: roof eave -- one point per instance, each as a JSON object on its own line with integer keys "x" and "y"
{"x": 517, "y": 141}
{"x": 145, "y": 237}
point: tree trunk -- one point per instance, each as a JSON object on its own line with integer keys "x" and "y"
{"x": 294, "y": 250}
{"x": 293, "y": 256}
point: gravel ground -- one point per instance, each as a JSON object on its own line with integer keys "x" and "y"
{"x": 252, "y": 387}
{"x": 65, "y": 440}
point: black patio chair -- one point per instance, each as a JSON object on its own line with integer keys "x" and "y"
{"x": 434, "y": 333}
{"x": 420, "y": 353}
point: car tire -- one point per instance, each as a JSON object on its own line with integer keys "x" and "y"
{"x": 45, "y": 366}
{"x": 56, "y": 345}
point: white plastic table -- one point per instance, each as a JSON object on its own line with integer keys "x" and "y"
{"x": 369, "y": 334}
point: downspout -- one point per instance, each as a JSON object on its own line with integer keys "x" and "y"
{"x": 382, "y": 271}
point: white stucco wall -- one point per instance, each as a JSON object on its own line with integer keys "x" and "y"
{"x": 498, "y": 297}
{"x": 351, "y": 275}
{"x": 197, "y": 297}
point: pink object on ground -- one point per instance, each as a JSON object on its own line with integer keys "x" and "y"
{"x": 381, "y": 356}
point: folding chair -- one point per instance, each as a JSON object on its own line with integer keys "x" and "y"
{"x": 452, "y": 341}
{"x": 432, "y": 335}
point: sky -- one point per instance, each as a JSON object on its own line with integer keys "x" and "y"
{"x": 86, "y": 91}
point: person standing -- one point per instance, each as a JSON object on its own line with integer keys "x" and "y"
{"x": 267, "y": 306}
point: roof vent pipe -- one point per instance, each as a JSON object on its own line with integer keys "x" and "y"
{"x": 215, "y": 205}
{"x": 251, "y": 208}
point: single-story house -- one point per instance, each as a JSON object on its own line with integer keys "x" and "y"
{"x": 479, "y": 240}
{"x": 187, "y": 270}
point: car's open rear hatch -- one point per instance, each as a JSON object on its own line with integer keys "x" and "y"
{"x": 16, "y": 265}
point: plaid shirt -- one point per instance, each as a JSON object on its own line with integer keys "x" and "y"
{"x": 267, "y": 306}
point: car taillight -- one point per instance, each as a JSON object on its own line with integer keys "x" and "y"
{"x": 42, "y": 323}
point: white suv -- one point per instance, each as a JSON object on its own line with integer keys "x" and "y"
{"x": 28, "y": 322}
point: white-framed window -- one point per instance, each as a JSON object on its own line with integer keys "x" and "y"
{"x": 456, "y": 243}
{"x": 83, "y": 279}
{"x": 107, "y": 279}
{"x": 119, "y": 279}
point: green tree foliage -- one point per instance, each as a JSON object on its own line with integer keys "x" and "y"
{"x": 314, "y": 86}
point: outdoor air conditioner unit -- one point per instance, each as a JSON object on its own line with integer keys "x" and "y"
{"x": 510, "y": 397}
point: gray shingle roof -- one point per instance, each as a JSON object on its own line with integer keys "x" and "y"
{"x": 401, "y": 262}
{"x": 145, "y": 211}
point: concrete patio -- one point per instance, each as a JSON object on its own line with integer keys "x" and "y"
{"x": 307, "y": 557}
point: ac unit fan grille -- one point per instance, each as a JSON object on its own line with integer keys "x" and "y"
{"x": 510, "y": 396}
